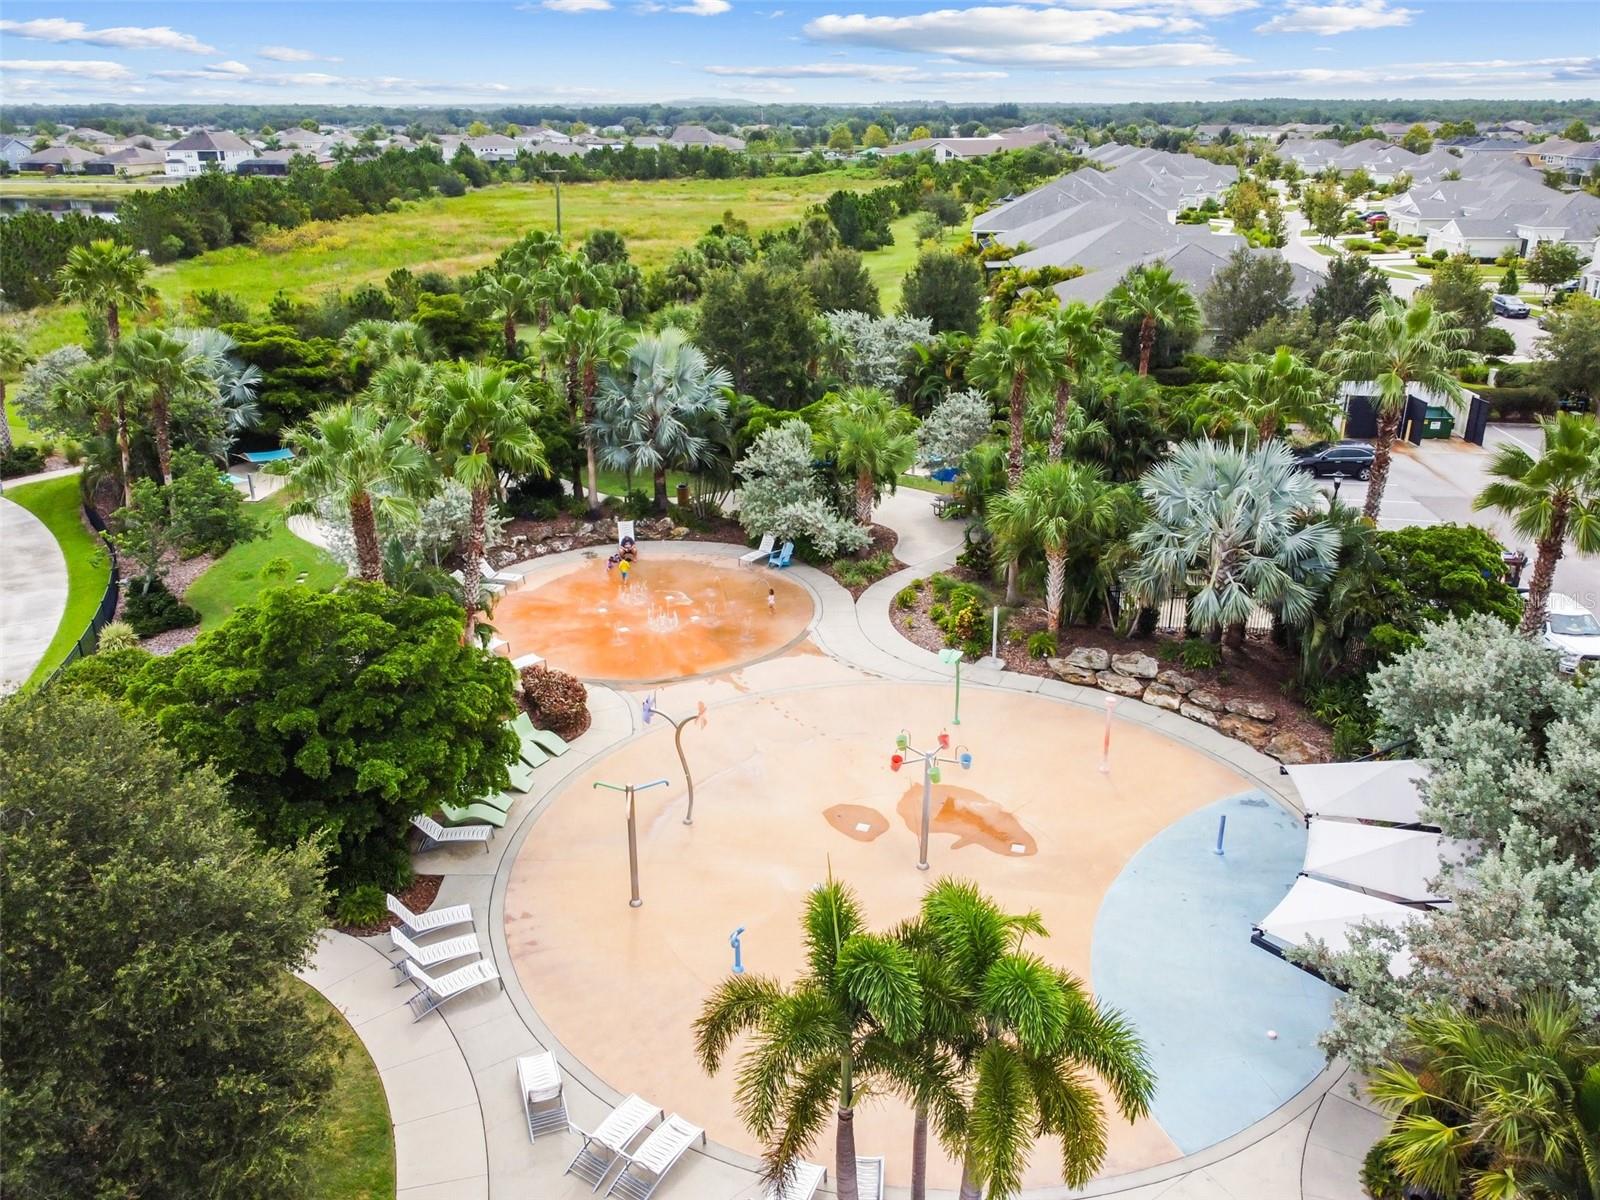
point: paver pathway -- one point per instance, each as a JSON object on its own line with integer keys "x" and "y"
{"x": 33, "y": 592}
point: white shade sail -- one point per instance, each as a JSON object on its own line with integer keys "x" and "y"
{"x": 1380, "y": 858}
{"x": 1364, "y": 791}
{"x": 1325, "y": 912}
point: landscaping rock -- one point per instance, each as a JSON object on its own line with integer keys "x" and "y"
{"x": 1195, "y": 713}
{"x": 1069, "y": 672}
{"x": 1090, "y": 658}
{"x": 1253, "y": 709}
{"x": 1201, "y": 698}
{"x": 1135, "y": 665}
{"x": 679, "y": 532}
{"x": 1177, "y": 681}
{"x": 1162, "y": 697}
{"x": 586, "y": 529}
{"x": 1119, "y": 685}
{"x": 1290, "y": 748}
{"x": 1254, "y": 734}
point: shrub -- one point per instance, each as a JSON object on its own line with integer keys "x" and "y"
{"x": 978, "y": 557}
{"x": 554, "y": 699}
{"x": 1494, "y": 340}
{"x": 1378, "y": 1177}
{"x": 1425, "y": 264}
{"x": 637, "y": 503}
{"x": 1511, "y": 375}
{"x": 906, "y": 597}
{"x": 116, "y": 635}
{"x": 1440, "y": 255}
{"x": 362, "y": 906}
{"x": 156, "y": 611}
{"x": 1519, "y": 404}
{"x": 858, "y": 572}
{"x": 22, "y": 460}
{"x": 1041, "y": 644}
{"x": 1197, "y": 654}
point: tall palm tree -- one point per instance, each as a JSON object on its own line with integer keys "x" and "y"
{"x": 1027, "y": 1036}
{"x": 1007, "y": 359}
{"x": 403, "y": 387}
{"x": 372, "y": 344}
{"x": 481, "y": 423}
{"x": 1504, "y": 1104}
{"x": 14, "y": 358}
{"x": 105, "y": 278}
{"x": 871, "y": 437}
{"x": 567, "y": 282}
{"x": 1227, "y": 529}
{"x": 1151, "y": 296}
{"x": 819, "y": 1043}
{"x": 650, "y": 412}
{"x": 1080, "y": 342}
{"x": 510, "y": 297}
{"x": 163, "y": 368}
{"x": 1400, "y": 350}
{"x": 1056, "y": 504}
{"x": 365, "y": 462}
{"x": 587, "y": 341}
{"x": 1552, "y": 499}
{"x": 1270, "y": 392}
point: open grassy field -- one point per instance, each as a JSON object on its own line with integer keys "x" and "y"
{"x": 84, "y": 187}
{"x": 236, "y": 577}
{"x": 55, "y": 502}
{"x": 353, "y": 1158}
{"x": 888, "y": 266}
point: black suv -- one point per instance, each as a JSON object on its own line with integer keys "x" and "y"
{"x": 1353, "y": 460}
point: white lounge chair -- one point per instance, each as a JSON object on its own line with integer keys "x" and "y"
{"x": 485, "y": 586}
{"x": 431, "y": 992}
{"x": 647, "y": 1166}
{"x": 625, "y": 530}
{"x": 802, "y": 1184}
{"x": 505, "y": 580}
{"x": 869, "y": 1178}
{"x": 435, "y": 919}
{"x": 431, "y": 955}
{"x": 543, "y": 1104}
{"x": 603, "y": 1149}
{"x": 760, "y": 552}
{"x": 435, "y": 834}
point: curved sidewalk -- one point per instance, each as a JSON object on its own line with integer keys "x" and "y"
{"x": 1310, "y": 1149}
{"x": 33, "y": 592}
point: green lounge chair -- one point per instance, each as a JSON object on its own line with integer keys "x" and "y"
{"x": 551, "y": 741}
{"x": 475, "y": 813}
{"x": 521, "y": 777}
{"x": 528, "y": 736}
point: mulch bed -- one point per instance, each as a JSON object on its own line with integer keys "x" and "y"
{"x": 180, "y": 573}
{"x": 1260, "y": 672}
{"x": 419, "y": 897}
{"x": 883, "y": 540}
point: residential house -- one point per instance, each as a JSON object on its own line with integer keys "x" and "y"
{"x": 58, "y": 159}
{"x": 1521, "y": 225}
{"x": 128, "y": 160}
{"x": 13, "y": 150}
{"x": 207, "y": 150}
{"x": 277, "y": 162}
{"x": 944, "y": 149}
{"x": 493, "y": 147}
{"x": 699, "y": 135}
{"x": 1576, "y": 159}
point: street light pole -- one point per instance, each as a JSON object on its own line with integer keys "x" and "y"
{"x": 628, "y": 790}
{"x": 556, "y": 175}
{"x": 930, "y": 775}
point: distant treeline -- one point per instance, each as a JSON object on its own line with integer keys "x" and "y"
{"x": 143, "y": 118}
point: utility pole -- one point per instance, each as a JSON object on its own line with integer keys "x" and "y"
{"x": 556, "y": 175}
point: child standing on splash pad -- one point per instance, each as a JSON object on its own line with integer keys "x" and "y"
{"x": 624, "y": 566}
{"x": 772, "y": 602}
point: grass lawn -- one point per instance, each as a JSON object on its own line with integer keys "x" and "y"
{"x": 236, "y": 577}
{"x": 1328, "y": 251}
{"x": 888, "y": 267}
{"x": 354, "y": 1158}
{"x": 615, "y": 483}
{"x": 20, "y": 433}
{"x": 88, "y": 187}
{"x": 922, "y": 483}
{"x": 55, "y": 502}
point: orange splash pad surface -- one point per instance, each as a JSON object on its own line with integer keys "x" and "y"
{"x": 789, "y": 785}
{"x": 676, "y": 617}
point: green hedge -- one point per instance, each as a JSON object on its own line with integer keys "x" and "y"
{"x": 1518, "y": 403}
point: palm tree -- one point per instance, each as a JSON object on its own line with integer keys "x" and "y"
{"x": 818, "y": 1043}
{"x": 1227, "y": 529}
{"x": 237, "y": 383}
{"x": 1270, "y": 392}
{"x": 1056, "y": 504}
{"x": 569, "y": 282}
{"x": 1080, "y": 342}
{"x": 1151, "y": 296}
{"x": 164, "y": 369}
{"x": 106, "y": 277}
{"x": 14, "y": 358}
{"x": 372, "y": 344}
{"x": 648, "y": 413}
{"x": 588, "y": 341}
{"x": 1399, "y": 350}
{"x": 1552, "y": 499}
{"x": 1506, "y": 1104}
{"x": 1026, "y": 1036}
{"x": 365, "y": 462}
{"x": 482, "y": 423}
{"x": 403, "y": 387}
{"x": 872, "y": 437}
{"x": 510, "y": 297}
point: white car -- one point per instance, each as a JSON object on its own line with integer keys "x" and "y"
{"x": 1572, "y": 632}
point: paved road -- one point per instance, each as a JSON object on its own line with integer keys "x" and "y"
{"x": 33, "y": 592}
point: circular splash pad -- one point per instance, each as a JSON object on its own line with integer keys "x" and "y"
{"x": 676, "y": 616}
{"x": 792, "y": 785}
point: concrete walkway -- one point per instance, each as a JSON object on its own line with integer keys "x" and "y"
{"x": 1309, "y": 1149}
{"x": 33, "y": 593}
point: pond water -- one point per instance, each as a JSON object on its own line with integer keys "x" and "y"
{"x": 58, "y": 206}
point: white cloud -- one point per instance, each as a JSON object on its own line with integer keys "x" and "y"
{"x": 103, "y": 72}
{"x": 876, "y": 72}
{"x": 1496, "y": 75}
{"x": 290, "y": 54}
{"x": 576, "y": 6}
{"x": 703, "y": 8}
{"x": 123, "y": 37}
{"x": 1326, "y": 20}
{"x": 221, "y": 70}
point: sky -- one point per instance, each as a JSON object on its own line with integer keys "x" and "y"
{"x": 486, "y": 52}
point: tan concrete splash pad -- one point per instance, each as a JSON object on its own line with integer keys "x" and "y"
{"x": 676, "y": 616}
{"x": 785, "y": 783}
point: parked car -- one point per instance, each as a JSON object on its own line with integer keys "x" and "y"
{"x": 1375, "y": 218}
{"x": 1574, "y": 404}
{"x": 1351, "y": 460}
{"x": 1571, "y": 631}
{"x": 1510, "y": 306}
{"x": 1570, "y": 285}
